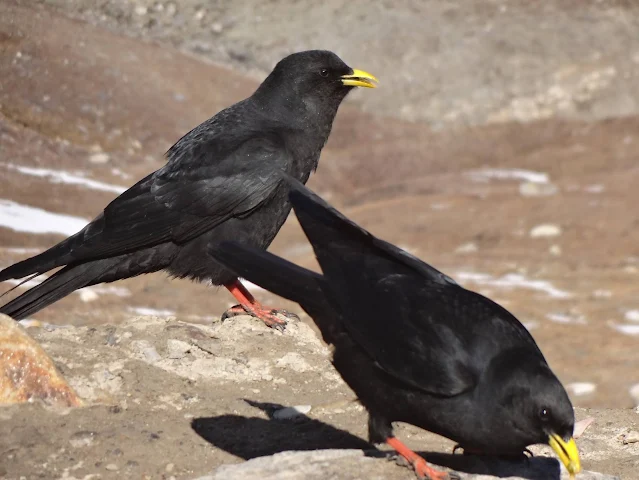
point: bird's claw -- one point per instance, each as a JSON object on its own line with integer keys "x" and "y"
{"x": 268, "y": 316}
{"x": 426, "y": 472}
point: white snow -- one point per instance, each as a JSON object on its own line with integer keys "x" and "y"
{"x": 21, "y": 250}
{"x": 626, "y": 329}
{"x": 23, "y": 218}
{"x": 87, "y": 294}
{"x": 151, "y": 311}
{"x": 60, "y": 176}
{"x": 508, "y": 173}
{"x": 31, "y": 283}
{"x": 512, "y": 280}
{"x": 581, "y": 388}
{"x": 563, "y": 318}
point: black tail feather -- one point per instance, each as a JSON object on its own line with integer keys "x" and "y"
{"x": 57, "y": 286}
{"x": 272, "y": 273}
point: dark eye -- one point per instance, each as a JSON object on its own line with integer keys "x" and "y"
{"x": 324, "y": 72}
{"x": 544, "y": 414}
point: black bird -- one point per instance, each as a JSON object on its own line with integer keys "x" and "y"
{"x": 414, "y": 345}
{"x": 220, "y": 182}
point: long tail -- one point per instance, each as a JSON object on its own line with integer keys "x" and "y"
{"x": 54, "y": 257}
{"x": 57, "y": 286}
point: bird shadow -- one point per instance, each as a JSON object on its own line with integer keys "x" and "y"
{"x": 251, "y": 437}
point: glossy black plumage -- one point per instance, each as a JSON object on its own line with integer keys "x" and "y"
{"x": 220, "y": 182}
{"x": 413, "y": 344}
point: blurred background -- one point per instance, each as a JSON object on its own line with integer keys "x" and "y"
{"x": 500, "y": 147}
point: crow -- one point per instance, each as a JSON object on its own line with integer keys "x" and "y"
{"x": 220, "y": 182}
{"x": 414, "y": 345}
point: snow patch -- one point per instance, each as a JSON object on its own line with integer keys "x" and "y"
{"x": 626, "y": 329}
{"x": 508, "y": 174}
{"x": 61, "y": 176}
{"x": 581, "y": 388}
{"x": 23, "y": 218}
{"x": 563, "y": 318}
{"x": 513, "y": 280}
{"x": 151, "y": 312}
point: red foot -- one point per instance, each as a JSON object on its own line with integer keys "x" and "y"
{"x": 422, "y": 469}
{"x": 249, "y": 305}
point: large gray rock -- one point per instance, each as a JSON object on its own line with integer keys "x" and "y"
{"x": 355, "y": 464}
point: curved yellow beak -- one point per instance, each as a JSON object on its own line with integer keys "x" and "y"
{"x": 567, "y": 453}
{"x": 359, "y": 78}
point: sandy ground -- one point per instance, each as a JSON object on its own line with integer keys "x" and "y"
{"x": 507, "y": 159}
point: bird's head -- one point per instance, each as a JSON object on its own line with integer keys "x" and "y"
{"x": 529, "y": 405}
{"x": 315, "y": 78}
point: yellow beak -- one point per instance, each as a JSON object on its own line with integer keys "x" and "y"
{"x": 359, "y": 78}
{"x": 567, "y": 453}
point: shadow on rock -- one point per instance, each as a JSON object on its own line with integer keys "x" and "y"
{"x": 251, "y": 437}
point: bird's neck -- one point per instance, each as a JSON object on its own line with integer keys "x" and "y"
{"x": 300, "y": 113}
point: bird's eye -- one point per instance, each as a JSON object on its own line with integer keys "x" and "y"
{"x": 544, "y": 414}
{"x": 324, "y": 72}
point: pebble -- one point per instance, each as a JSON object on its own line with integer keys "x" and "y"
{"x": 169, "y": 467}
{"x": 631, "y": 437}
{"x": 545, "y": 230}
{"x": 100, "y": 157}
{"x": 469, "y": 247}
{"x": 291, "y": 412}
{"x": 82, "y": 439}
{"x": 535, "y": 189}
{"x": 141, "y": 10}
{"x": 112, "y": 467}
{"x": 217, "y": 27}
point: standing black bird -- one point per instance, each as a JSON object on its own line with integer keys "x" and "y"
{"x": 220, "y": 182}
{"x": 414, "y": 345}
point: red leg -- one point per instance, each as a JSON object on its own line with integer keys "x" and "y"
{"x": 248, "y": 305}
{"x": 422, "y": 469}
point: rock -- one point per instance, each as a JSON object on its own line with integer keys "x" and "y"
{"x": 294, "y": 361}
{"x": 581, "y": 426}
{"x": 82, "y": 439}
{"x": 355, "y": 465}
{"x": 291, "y": 412}
{"x": 177, "y": 348}
{"x": 630, "y": 437}
{"x": 545, "y": 230}
{"x": 27, "y": 373}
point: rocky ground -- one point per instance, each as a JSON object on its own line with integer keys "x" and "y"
{"x": 172, "y": 399}
{"x": 500, "y": 146}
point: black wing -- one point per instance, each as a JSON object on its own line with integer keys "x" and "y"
{"x": 418, "y": 324}
{"x": 180, "y": 202}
